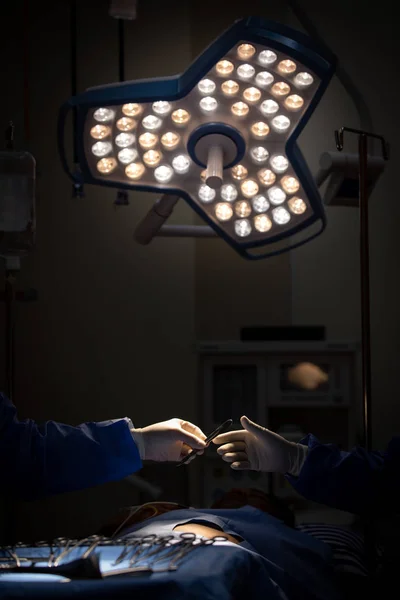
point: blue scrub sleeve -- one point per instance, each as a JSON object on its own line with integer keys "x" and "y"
{"x": 40, "y": 460}
{"x": 359, "y": 482}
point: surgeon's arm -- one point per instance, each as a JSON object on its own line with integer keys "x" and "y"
{"x": 360, "y": 482}
{"x": 53, "y": 457}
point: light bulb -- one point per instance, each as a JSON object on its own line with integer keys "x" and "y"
{"x": 206, "y": 86}
{"x": 249, "y": 188}
{"x": 223, "y": 211}
{"x": 246, "y": 51}
{"x": 269, "y": 107}
{"x": 99, "y": 132}
{"x": 242, "y": 227}
{"x": 135, "y": 170}
{"x": 276, "y": 195}
{"x": 151, "y": 158}
{"x": 106, "y": 165}
{"x": 161, "y": 107}
{"x": 286, "y": 67}
{"x": 180, "y": 116}
{"x": 252, "y": 94}
{"x": 240, "y": 109}
{"x": 280, "y": 215}
{"x": 208, "y": 104}
{"x": 230, "y": 87}
{"x": 181, "y": 164}
{"x": 229, "y": 192}
{"x": 124, "y": 139}
{"x": 260, "y": 129}
{"x": 280, "y": 123}
{"x": 148, "y": 140}
{"x": 245, "y": 71}
{"x": 132, "y": 109}
{"x": 242, "y": 209}
{"x": 126, "y": 124}
{"x": 297, "y": 205}
{"x": 127, "y": 155}
{"x": 151, "y": 122}
{"x": 303, "y": 80}
{"x": 101, "y": 148}
{"x": 291, "y": 185}
{"x": 262, "y": 223}
{"x": 267, "y": 57}
{"x": 163, "y": 174}
{"x": 170, "y": 140}
{"x": 224, "y": 67}
{"x": 280, "y": 89}
{"x": 279, "y": 163}
{"x": 206, "y": 194}
{"x": 260, "y": 204}
{"x": 259, "y": 154}
{"x": 239, "y": 172}
{"x": 266, "y": 177}
{"x": 264, "y": 79}
{"x": 103, "y": 115}
{"x": 294, "y": 102}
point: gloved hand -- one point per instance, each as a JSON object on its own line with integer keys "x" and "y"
{"x": 168, "y": 441}
{"x": 260, "y": 449}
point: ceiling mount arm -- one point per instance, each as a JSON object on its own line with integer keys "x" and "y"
{"x": 155, "y": 219}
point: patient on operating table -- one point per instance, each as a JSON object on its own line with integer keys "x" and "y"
{"x": 299, "y": 566}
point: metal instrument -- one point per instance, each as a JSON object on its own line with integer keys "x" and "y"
{"x": 144, "y": 555}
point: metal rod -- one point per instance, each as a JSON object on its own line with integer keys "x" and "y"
{"x": 214, "y": 173}
{"x": 26, "y": 42}
{"x": 9, "y": 338}
{"x": 121, "y": 49}
{"x": 74, "y": 75}
{"x": 365, "y": 291}
{"x": 150, "y": 225}
{"x": 364, "y": 268}
{"x": 196, "y": 231}
{"x": 369, "y": 530}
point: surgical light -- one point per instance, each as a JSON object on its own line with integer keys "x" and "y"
{"x": 148, "y": 140}
{"x": 222, "y": 135}
{"x": 260, "y": 204}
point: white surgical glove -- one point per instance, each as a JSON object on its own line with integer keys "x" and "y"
{"x": 260, "y": 449}
{"x": 168, "y": 441}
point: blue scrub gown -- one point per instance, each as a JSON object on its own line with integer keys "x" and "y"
{"x": 39, "y": 460}
{"x": 359, "y": 482}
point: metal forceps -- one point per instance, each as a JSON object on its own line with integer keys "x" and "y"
{"x": 11, "y": 556}
{"x": 161, "y": 543}
{"x": 141, "y": 548}
{"x": 134, "y": 546}
{"x": 92, "y": 540}
{"x": 52, "y": 553}
{"x": 221, "y": 429}
{"x": 177, "y": 552}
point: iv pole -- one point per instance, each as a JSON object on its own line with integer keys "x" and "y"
{"x": 364, "y": 269}
{"x": 363, "y": 136}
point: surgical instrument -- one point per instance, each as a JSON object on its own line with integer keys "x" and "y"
{"x": 220, "y": 429}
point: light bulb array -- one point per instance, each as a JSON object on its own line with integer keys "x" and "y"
{"x": 260, "y": 92}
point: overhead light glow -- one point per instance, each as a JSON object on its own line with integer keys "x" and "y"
{"x": 223, "y": 135}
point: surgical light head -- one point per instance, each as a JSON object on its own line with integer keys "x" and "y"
{"x": 222, "y": 135}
